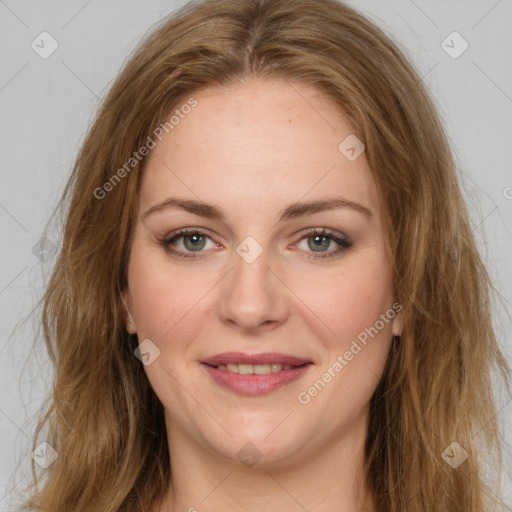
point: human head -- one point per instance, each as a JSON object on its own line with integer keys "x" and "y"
{"x": 256, "y": 296}
{"x": 432, "y": 253}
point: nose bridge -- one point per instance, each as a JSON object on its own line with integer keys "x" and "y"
{"x": 252, "y": 294}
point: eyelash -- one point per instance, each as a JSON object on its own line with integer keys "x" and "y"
{"x": 343, "y": 243}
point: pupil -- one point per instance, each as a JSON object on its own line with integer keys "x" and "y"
{"x": 194, "y": 245}
{"x": 323, "y": 244}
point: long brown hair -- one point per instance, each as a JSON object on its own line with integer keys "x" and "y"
{"x": 103, "y": 418}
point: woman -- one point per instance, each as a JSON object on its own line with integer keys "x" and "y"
{"x": 268, "y": 295}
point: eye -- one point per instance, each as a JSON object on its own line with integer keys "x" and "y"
{"x": 321, "y": 239}
{"x": 195, "y": 240}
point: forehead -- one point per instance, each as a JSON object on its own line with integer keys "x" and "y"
{"x": 257, "y": 144}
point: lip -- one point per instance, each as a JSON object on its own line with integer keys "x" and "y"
{"x": 251, "y": 385}
{"x": 265, "y": 358}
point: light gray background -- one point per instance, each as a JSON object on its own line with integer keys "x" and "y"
{"x": 46, "y": 106}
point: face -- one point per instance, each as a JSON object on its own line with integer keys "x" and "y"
{"x": 297, "y": 300}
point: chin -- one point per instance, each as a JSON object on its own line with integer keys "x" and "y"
{"x": 263, "y": 442}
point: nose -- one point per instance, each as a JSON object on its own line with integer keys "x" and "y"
{"x": 254, "y": 296}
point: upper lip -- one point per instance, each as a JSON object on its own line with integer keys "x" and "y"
{"x": 265, "y": 358}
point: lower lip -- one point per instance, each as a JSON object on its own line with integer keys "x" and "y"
{"x": 256, "y": 384}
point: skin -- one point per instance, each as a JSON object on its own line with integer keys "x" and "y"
{"x": 253, "y": 149}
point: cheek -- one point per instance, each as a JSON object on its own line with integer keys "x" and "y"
{"x": 349, "y": 299}
{"x": 354, "y": 305}
{"x": 164, "y": 298}
{"x": 356, "y": 345}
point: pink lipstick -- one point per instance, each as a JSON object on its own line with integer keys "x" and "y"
{"x": 255, "y": 374}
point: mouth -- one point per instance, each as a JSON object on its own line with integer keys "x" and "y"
{"x": 255, "y": 369}
{"x": 255, "y": 374}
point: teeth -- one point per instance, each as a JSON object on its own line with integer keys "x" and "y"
{"x": 245, "y": 369}
{"x": 257, "y": 369}
{"x": 261, "y": 369}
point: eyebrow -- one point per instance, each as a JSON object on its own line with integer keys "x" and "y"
{"x": 290, "y": 212}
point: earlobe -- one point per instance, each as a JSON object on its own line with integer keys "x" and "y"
{"x": 130, "y": 322}
{"x": 398, "y": 324}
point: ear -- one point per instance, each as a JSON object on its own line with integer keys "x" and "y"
{"x": 130, "y": 322}
{"x": 398, "y": 324}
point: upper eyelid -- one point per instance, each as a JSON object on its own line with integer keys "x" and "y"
{"x": 302, "y": 234}
{"x": 186, "y": 231}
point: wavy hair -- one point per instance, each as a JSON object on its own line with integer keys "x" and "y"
{"x": 102, "y": 416}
